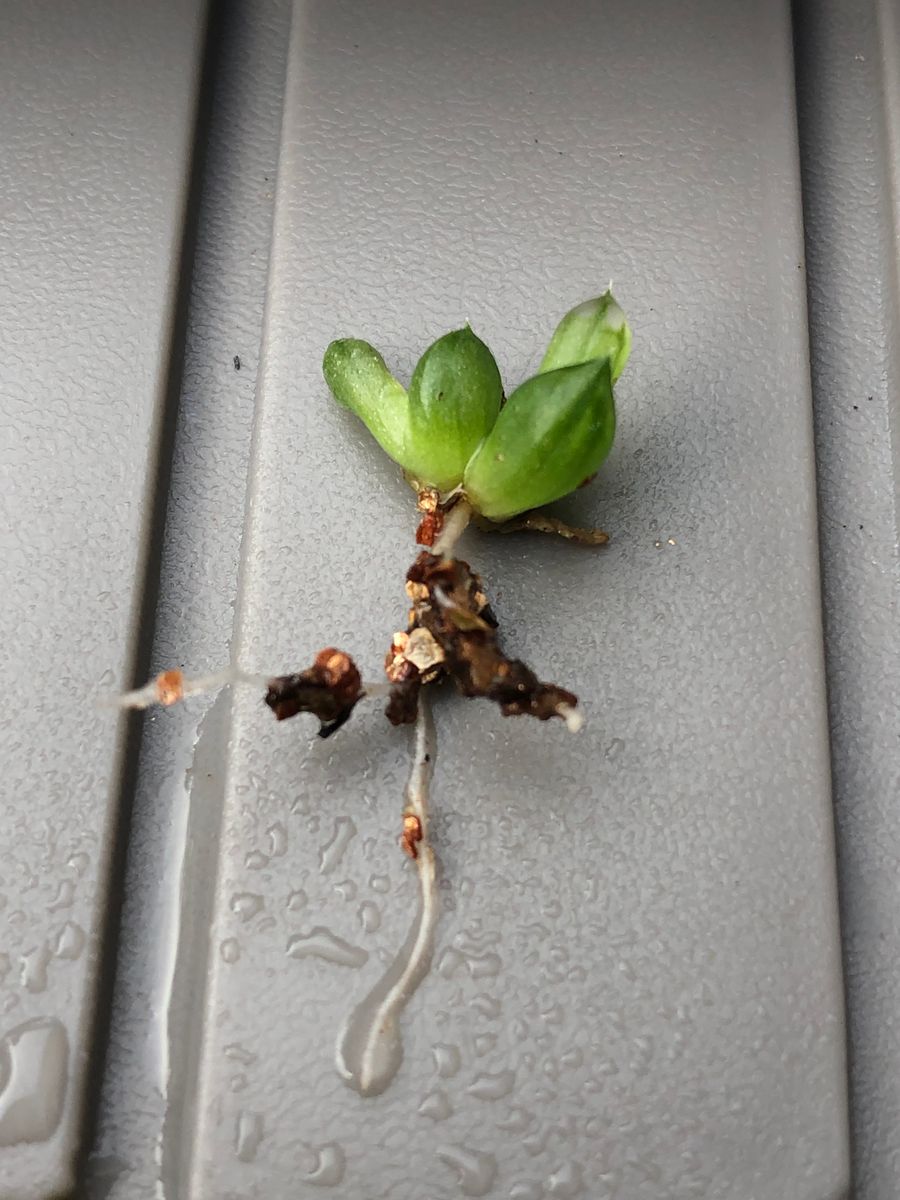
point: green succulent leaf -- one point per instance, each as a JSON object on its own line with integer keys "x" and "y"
{"x": 360, "y": 381}
{"x": 552, "y": 434}
{"x": 454, "y": 398}
{"x": 595, "y": 329}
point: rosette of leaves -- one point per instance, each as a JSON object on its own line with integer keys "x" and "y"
{"x": 454, "y": 431}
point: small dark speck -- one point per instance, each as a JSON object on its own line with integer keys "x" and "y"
{"x": 868, "y": 397}
{"x": 856, "y": 408}
{"x": 535, "y": 141}
{"x": 861, "y": 527}
{"x": 559, "y": 152}
{"x": 428, "y": 758}
{"x": 237, "y": 362}
{"x": 356, "y": 45}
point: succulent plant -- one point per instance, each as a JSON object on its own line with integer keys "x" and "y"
{"x": 453, "y": 430}
{"x": 466, "y": 450}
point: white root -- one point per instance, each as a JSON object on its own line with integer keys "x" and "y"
{"x": 370, "y": 1045}
{"x": 572, "y": 717}
{"x": 454, "y": 526}
{"x": 170, "y": 687}
{"x": 415, "y": 958}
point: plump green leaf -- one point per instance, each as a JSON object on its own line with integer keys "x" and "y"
{"x": 454, "y": 398}
{"x": 360, "y": 381}
{"x": 595, "y": 329}
{"x": 552, "y": 434}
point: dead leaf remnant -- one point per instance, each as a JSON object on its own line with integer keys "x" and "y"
{"x": 451, "y": 617}
{"x": 329, "y": 689}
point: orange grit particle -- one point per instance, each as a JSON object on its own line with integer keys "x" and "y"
{"x": 170, "y": 687}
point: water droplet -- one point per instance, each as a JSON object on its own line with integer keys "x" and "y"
{"x": 369, "y": 916}
{"x": 483, "y": 966}
{"x": 488, "y": 1006}
{"x": 518, "y": 1120}
{"x": 626, "y": 970}
{"x": 248, "y": 1134}
{"x": 643, "y": 1054}
{"x": 447, "y": 1059}
{"x": 297, "y": 899}
{"x": 435, "y": 1105}
{"x": 572, "y": 1059}
{"x": 246, "y": 905}
{"x": 536, "y": 1143}
{"x": 34, "y": 1060}
{"x": 230, "y": 950}
{"x": 69, "y": 941}
{"x": 328, "y": 1165}
{"x": 492, "y": 1086}
{"x": 79, "y": 862}
{"x": 566, "y": 1182}
{"x": 278, "y": 840}
{"x": 33, "y": 967}
{"x": 322, "y": 943}
{"x": 380, "y": 883}
{"x": 346, "y": 889}
{"x": 484, "y": 1043}
{"x": 526, "y": 1191}
{"x": 238, "y": 1053}
{"x": 255, "y": 860}
{"x": 475, "y": 1170}
{"x": 333, "y": 851}
{"x": 614, "y": 749}
{"x": 449, "y": 962}
{"x": 553, "y": 1015}
{"x": 65, "y": 895}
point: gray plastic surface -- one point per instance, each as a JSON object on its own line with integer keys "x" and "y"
{"x": 98, "y": 106}
{"x": 639, "y": 943}
{"x": 850, "y": 119}
{"x": 151, "y": 1014}
{"x": 636, "y": 989}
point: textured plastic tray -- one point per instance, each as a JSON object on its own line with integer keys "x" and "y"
{"x": 636, "y": 988}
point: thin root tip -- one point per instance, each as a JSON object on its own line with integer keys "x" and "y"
{"x": 573, "y": 719}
